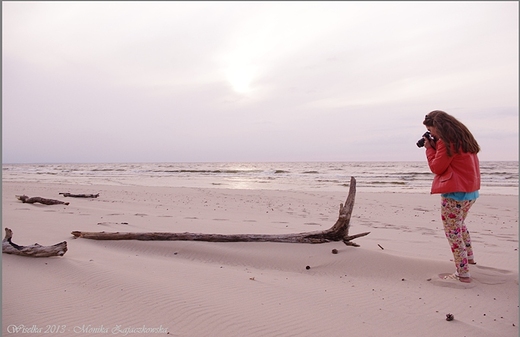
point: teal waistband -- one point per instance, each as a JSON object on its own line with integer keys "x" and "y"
{"x": 461, "y": 196}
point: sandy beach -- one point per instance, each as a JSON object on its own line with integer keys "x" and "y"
{"x": 389, "y": 286}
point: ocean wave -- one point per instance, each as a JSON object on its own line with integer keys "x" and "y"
{"x": 381, "y": 176}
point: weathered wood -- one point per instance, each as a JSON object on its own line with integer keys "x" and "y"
{"x": 338, "y": 232}
{"x": 80, "y": 195}
{"x": 317, "y": 237}
{"x": 35, "y": 250}
{"x": 25, "y": 199}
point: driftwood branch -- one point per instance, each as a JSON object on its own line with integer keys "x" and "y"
{"x": 35, "y": 250}
{"x": 25, "y": 199}
{"x": 338, "y": 232}
{"x": 80, "y": 195}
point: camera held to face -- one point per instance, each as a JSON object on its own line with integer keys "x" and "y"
{"x": 427, "y": 134}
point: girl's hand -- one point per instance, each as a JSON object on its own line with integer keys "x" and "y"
{"x": 428, "y": 143}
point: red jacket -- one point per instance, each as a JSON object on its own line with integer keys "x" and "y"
{"x": 458, "y": 173}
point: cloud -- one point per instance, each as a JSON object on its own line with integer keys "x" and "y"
{"x": 253, "y": 81}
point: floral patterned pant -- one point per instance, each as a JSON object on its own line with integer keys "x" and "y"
{"x": 453, "y": 214}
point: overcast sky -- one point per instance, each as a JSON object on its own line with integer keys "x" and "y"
{"x": 253, "y": 81}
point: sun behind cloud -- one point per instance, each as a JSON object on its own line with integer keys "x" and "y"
{"x": 240, "y": 77}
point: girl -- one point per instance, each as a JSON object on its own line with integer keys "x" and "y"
{"x": 452, "y": 157}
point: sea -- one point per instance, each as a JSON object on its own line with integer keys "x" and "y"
{"x": 497, "y": 177}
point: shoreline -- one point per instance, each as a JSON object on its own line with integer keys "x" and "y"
{"x": 379, "y": 177}
{"x": 130, "y": 183}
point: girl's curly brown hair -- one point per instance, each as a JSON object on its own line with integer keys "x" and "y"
{"x": 452, "y": 132}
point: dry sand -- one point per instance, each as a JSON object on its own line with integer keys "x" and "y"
{"x": 386, "y": 287}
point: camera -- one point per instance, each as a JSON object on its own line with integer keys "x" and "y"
{"x": 427, "y": 134}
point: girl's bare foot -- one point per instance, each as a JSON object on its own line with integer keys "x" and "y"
{"x": 465, "y": 279}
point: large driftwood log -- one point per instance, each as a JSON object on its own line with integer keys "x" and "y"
{"x": 80, "y": 195}
{"x": 26, "y": 200}
{"x": 338, "y": 232}
{"x": 35, "y": 250}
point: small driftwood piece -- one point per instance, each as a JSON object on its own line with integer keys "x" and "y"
{"x": 35, "y": 250}
{"x": 338, "y": 232}
{"x": 80, "y": 195}
{"x": 26, "y": 200}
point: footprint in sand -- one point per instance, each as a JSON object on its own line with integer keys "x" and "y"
{"x": 490, "y": 275}
{"x": 479, "y": 274}
{"x": 493, "y": 270}
{"x": 450, "y": 283}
